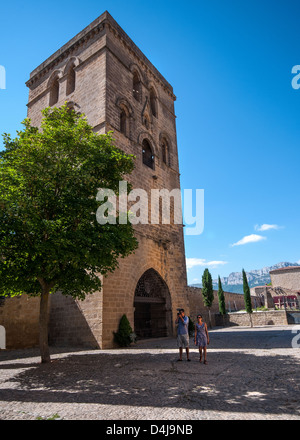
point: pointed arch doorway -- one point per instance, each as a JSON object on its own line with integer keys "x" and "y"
{"x": 153, "y": 310}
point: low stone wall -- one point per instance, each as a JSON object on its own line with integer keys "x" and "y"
{"x": 268, "y": 317}
{"x": 20, "y": 318}
{"x": 233, "y": 301}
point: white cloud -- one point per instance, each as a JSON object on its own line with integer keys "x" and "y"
{"x": 266, "y": 227}
{"x": 249, "y": 239}
{"x": 193, "y": 262}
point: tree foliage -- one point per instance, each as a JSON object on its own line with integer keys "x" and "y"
{"x": 49, "y": 237}
{"x": 221, "y": 298}
{"x": 207, "y": 288}
{"x": 247, "y": 296}
{"x": 124, "y": 336}
{"x": 207, "y": 292}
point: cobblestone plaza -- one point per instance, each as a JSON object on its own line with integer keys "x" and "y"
{"x": 251, "y": 374}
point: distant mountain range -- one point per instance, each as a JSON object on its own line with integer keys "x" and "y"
{"x": 234, "y": 282}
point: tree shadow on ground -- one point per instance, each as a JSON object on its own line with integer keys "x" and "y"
{"x": 32, "y": 352}
{"x": 231, "y": 382}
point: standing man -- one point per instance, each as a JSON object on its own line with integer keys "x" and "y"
{"x": 182, "y": 334}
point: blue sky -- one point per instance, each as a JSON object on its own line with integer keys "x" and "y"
{"x": 238, "y": 115}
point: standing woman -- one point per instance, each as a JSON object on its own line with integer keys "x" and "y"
{"x": 201, "y": 337}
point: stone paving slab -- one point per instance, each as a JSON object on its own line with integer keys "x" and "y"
{"x": 251, "y": 374}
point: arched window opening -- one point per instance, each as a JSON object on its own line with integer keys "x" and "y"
{"x": 137, "y": 87}
{"x": 71, "y": 80}
{"x": 54, "y": 92}
{"x": 123, "y": 122}
{"x": 165, "y": 152}
{"x": 148, "y": 158}
{"x": 153, "y": 103}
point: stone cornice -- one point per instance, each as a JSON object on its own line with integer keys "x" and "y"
{"x": 105, "y": 21}
{"x": 67, "y": 50}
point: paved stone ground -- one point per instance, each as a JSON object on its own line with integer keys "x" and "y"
{"x": 251, "y": 374}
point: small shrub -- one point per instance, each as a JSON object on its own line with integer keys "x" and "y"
{"x": 125, "y": 335}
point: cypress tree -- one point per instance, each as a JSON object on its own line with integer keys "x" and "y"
{"x": 207, "y": 291}
{"x": 247, "y": 296}
{"x": 221, "y": 298}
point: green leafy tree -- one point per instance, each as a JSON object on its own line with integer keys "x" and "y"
{"x": 221, "y": 298}
{"x": 247, "y": 296}
{"x": 124, "y": 336}
{"x": 207, "y": 291}
{"x": 50, "y": 239}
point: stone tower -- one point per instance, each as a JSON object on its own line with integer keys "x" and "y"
{"x": 103, "y": 74}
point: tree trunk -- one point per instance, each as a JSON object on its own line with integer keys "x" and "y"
{"x": 250, "y": 317}
{"x": 44, "y": 347}
{"x": 209, "y": 318}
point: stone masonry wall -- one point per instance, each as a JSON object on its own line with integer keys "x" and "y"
{"x": 105, "y": 59}
{"x": 270, "y": 317}
{"x": 119, "y": 287}
{"x": 161, "y": 247}
{"x": 74, "y": 322}
{"x": 89, "y": 93}
{"x": 288, "y": 278}
{"x": 20, "y": 317}
{"x": 233, "y": 300}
